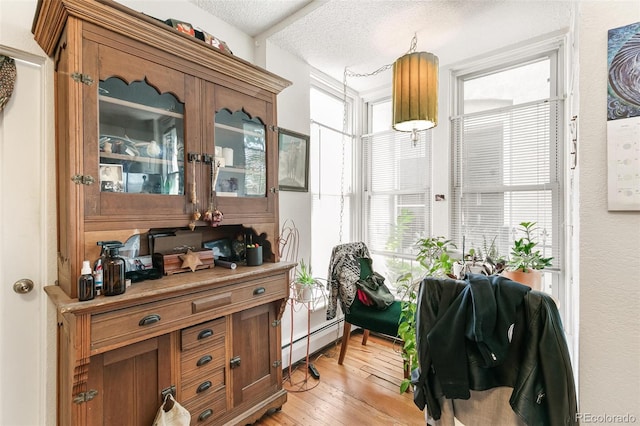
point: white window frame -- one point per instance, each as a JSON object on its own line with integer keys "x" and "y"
{"x": 329, "y": 87}
{"x": 562, "y": 285}
{"x": 392, "y": 264}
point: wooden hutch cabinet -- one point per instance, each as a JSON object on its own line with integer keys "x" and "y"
{"x": 148, "y": 120}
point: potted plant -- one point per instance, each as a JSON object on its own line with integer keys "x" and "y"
{"x": 304, "y": 282}
{"x": 434, "y": 254}
{"x": 434, "y": 257}
{"x": 526, "y": 261}
{"x": 486, "y": 261}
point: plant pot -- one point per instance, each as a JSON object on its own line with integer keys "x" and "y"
{"x": 460, "y": 270}
{"x": 531, "y": 278}
{"x": 304, "y": 293}
{"x": 254, "y": 256}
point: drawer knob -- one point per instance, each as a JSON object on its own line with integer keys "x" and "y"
{"x": 203, "y": 387}
{"x": 204, "y": 360}
{"x": 149, "y": 319}
{"x": 205, "y": 333}
{"x": 205, "y": 415}
{"x": 258, "y": 291}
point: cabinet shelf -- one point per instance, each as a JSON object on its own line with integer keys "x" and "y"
{"x": 138, "y": 159}
{"x": 237, "y": 130}
{"x": 232, "y": 170}
{"x": 140, "y": 111}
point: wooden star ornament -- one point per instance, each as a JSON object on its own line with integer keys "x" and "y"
{"x": 190, "y": 260}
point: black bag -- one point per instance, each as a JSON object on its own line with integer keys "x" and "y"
{"x": 376, "y": 293}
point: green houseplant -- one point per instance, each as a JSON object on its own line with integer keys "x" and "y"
{"x": 525, "y": 260}
{"x": 433, "y": 255}
{"x": 304, "y": 282}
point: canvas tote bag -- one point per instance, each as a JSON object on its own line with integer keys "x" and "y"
{"x": 176, "y": 414}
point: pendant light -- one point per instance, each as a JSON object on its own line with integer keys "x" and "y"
{"x": 415, "y": 93}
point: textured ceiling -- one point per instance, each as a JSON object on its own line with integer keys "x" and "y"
{"x": 365, "y": 35}
{"x": 251, "y": 16}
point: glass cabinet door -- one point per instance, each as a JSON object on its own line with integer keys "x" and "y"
{"x": 141, "y": 140}
{"x": 240, "y": 151}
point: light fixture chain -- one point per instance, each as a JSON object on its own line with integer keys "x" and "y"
{"x": 344, "y": 135}
{"x": 345, "y": 127}
{"x": 347, "y": 73}
{"x": 370, "y": 74}
{"x": 414, "y": 44}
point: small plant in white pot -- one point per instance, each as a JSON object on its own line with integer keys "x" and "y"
{"x": 304, "y": 283}
{"x": 525, "y": 261}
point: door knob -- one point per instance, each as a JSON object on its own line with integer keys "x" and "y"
{"x": 23, "y": 286}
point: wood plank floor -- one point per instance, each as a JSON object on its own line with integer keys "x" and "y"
{"x": 362, "y": 391}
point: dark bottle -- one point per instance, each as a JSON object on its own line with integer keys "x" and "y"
{"x": 113, "y": 269}
{"x": 86, "y": 285}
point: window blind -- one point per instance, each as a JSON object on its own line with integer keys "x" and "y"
{"x": 397, "y": 191}
{"x": 506, "y": 170}
{"x": 331, "y": 191}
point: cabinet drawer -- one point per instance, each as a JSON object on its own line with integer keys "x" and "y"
{"x": 110, "y": 329}
{"x": 244, "y": 296}
{"x": 204, "y": 385}
{"x": 203, "y": 360}
{"x": 113, "y": 329}
{"x": 202, "y": 334}
{"x": 205, "y": 412}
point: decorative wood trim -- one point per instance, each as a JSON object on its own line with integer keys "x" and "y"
{"x": 48, "y": 25}
{"x": 281, "y": 308}
{"x": 81, "y": 330}
{"x": 274, "y": 402}
{"x": 52, "y": 16}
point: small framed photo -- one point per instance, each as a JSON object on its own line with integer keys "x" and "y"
{"x": 111, "y": 178}
{"x": 293, "y": 161}
{"x": 221, "y": 248}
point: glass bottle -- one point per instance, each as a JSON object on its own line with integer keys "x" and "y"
{"x": 113, "y": 269}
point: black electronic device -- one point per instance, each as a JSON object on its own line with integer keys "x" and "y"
{"x": 314, "y": 371}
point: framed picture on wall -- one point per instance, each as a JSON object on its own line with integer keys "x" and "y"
{"x": 293, "y": 161}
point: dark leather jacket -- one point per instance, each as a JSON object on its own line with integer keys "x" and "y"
{"x": 468, "y": 341}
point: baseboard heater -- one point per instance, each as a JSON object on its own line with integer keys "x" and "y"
{"x": 317, "y": 331}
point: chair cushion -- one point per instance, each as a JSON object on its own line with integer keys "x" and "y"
{"x": 385, "y": 322}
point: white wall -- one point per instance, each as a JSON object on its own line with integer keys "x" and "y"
{"x": 240, "y": 43}
{"x": 295, "y": 207}
{"x": 609, "y": 241}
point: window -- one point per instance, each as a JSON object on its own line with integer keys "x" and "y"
{"x": 396, "y": 191}
{"x": 507, "y": 157}
{"x": 506, "y": 166}
{"x": 331, "y": 177}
